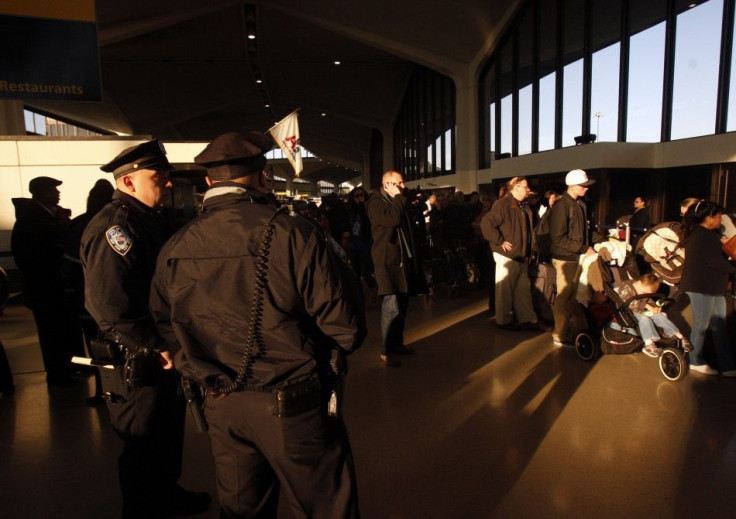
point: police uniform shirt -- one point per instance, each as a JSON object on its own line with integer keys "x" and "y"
{"x": 204, "y": 283}
{"x": 118, "y": 253}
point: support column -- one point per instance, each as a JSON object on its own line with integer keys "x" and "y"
{"x": 289, "y": 187}
{"x": 466, "y": 137}
{"x": 12, "y": 121}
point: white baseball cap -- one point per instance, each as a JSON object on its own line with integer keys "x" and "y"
{"x": 578, "y": 177}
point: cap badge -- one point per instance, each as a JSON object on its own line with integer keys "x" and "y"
{"x": 119, "y": 239}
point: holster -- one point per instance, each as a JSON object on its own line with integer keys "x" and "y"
{"x": 298, "y": 397}
{"x": 193, "y": 394}
{"x": 106, "y": 352}
{"x": 142, "y": 368}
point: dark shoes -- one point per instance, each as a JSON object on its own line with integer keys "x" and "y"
{"x": 60, "y": 381}
{"x": 95, "y": 400}
{"x": 535, "y": 327}
{"x": 186, "y": 502}
{"x": 513, "y": 326}
{"x": 390, "y": 361}
{"x": 527, "y": 327}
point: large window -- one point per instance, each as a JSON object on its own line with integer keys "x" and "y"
{"x": 547, "y": 87}
{"x": 604, "y": 93}
{"x": 424, "y": 132}
{"x": 646, "y": 72}
{"x": 696, "y": 70}
{"x": 650, "y": 76}
{"x": 43, "y": 124}
{"x": 606, "y": 50}
{"x": 572, "y": 103}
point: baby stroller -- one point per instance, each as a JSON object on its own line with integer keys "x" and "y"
{"x": 620, "y": 335}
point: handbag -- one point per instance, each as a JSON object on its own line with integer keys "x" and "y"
{"x": 729, "y": 247}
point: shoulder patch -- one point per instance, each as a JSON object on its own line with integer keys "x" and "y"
{"x": 119, "y": 239}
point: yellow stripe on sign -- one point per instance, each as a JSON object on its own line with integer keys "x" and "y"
{"x": 78, "y": 10}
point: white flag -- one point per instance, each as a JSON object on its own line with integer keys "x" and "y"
{"x": 286, "y": 135}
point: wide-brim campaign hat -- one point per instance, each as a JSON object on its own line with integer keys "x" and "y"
{"x": 234, "y": 148}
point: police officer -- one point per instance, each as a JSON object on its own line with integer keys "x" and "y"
{"x": 260, "y": 338}
{"x": 118, "y": 254}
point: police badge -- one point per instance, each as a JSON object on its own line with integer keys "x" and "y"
{"x": 119, "y": 239}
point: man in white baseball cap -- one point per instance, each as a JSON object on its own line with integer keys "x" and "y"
{"x": 569, "y": 234}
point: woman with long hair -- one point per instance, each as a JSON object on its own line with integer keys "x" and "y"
{"x": 705, "y": 279}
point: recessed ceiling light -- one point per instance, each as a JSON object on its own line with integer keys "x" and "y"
{"x": 337, "y": 63}
{"x": 268, "y": 106}
{"x": 251, "y": 36}
{"x": 323, "y": 114}
{"x": 259, "y": 81}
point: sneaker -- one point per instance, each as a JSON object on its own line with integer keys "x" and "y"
{"x": 730, "y": 373}
{"x": 651, "y": 351}
{"x": 703, "y": 368}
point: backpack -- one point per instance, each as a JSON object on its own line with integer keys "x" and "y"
{"x": 543, "y": 277}
{"x": 541, "y": 233}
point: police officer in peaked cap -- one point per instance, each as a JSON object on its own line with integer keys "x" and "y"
{"x": 261, "y": 304}
{"x": 118, "y": 253}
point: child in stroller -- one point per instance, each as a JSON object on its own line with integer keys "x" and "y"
{"x": 648, "y": 313}
{"x": 625, "y": 330}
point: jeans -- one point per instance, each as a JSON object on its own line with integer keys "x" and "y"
{"x": 709, "y": 312}
{"x": 648, "y": 326}
{"x": 393, "y": 320}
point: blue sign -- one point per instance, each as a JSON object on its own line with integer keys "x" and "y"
{"x": 49, "y": 59}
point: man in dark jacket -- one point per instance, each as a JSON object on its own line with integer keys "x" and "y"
{"x": 260, "y": 302}
{"x": 396, "y": 261}
{"x": 508, "y": 229}
{"x": 37, "y": 243}
{"x": 640, "y": 220}
{"x": 118, "y": 252}
{"x": 569, "y": 235}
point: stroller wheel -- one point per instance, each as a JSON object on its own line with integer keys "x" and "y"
{"x": 672, "y": 364}
{"x": 586, "y": 346}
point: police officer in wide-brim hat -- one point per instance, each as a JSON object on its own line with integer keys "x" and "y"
{"x": 259, "y": 301}
{"x": 118, "y": 252}
{"x": 236, "y": 155}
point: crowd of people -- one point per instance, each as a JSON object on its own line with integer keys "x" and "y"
{"x": 255, "y": 305}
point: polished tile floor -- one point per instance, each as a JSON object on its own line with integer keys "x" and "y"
{"x": 478, "y": 424}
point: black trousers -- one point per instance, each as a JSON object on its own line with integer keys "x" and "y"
{"x": 55, "y": 336}
{"x": 303, "y": 461}
{"x": 150, "y": 421}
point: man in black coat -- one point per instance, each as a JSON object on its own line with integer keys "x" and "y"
{"x": 37, "y": 243}
{"x": 569, "y": 235}
{"x": 118, "y": 252}
{"x": 397, "y": 264}
{"x": 264, "y": 311}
